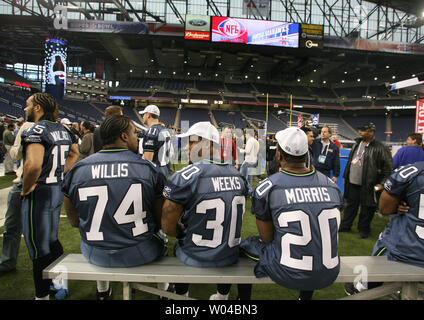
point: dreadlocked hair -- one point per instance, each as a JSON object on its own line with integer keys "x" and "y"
{"x": 49, "y": 105}
{"x": 112, "y": 127}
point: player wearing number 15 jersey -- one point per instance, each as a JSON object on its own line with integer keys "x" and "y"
{"x": 49, "y": 150}
{"x": 297, "y": 214}
{"x": 209, "y": 197}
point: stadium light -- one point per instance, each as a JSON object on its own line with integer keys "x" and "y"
{"x": 375, "y": 78}
{"x": 131, "y": 70}
{"x": 343, "y": 81}
{"x": 394, "y": 77}
{"x": 359, "y": 80}
{"x": 324, "y": 82}
{"x": 387, "y": 67}
{"x": 298, "y": 80}
{"x": 259, "y": 77}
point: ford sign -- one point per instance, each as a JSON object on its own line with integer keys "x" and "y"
{"x": 197, "y": 22}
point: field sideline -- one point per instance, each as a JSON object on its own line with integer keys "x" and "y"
{"x": 21, "y": 278}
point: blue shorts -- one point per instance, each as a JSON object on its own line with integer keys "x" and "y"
{"x": 142, "y": 253}
{"x": 40, "y": 219}
{"x": 268, "y": 265}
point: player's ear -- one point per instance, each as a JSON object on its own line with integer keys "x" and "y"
{"x": 124, "y": 136}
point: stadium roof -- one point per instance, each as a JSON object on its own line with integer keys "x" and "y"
{"x": 22, "y": 40}
{"x": 415, "y": 7}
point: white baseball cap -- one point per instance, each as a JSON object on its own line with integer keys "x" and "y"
{"x": 293, "y": 141}
{"x": 203, "y": 129}
{"x": 151, "y": 108}
{"x": 65, "y": 121}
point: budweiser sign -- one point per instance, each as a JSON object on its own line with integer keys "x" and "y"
{"x": 197, "y": 35}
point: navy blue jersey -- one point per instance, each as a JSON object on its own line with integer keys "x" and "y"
{"x": 114, "y": 192}
{"x": 304, "y": 209}
{"x": 158, "y": 141}
{"x": 213, "y": 196}
{"x": 404, "y": 235}
{"x": 57, "y": 141}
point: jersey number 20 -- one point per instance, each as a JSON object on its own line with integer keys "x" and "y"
{"x": 289, "y": 239}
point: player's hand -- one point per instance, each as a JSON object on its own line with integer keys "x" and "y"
{"x": 378, "y": 187}
{"x": 334, "y": 179}
{"x": 24, "y": 193}
{"x": 236, "y": 166}
{"x": 403, "y": 207}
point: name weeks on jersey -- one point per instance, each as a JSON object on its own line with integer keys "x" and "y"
{"x": 60, "y": 135}
{"x": 112, "y": 170}
{"x": 300, "y": 195}
{"x": 226, "y": 183}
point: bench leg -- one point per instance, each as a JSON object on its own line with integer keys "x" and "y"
{"x": 409, "y": 291}
{"x": 375, "y": 293}
{"x": 127, "y": 293}
{"x": 158, "y": 292}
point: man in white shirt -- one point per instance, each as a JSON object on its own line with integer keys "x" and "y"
{"x": 13, "y": 222}
{"x": 250, "y": 151}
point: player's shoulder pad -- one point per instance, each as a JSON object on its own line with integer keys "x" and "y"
{"x": 187, "y": 175}
{"x": 263, "y": 188}
{"x": 35, "y": 133}
{"x": 408, "y": 172}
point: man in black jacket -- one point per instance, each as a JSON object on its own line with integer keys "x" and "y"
{"x": 370, "y": 164}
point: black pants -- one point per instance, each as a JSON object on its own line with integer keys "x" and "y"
{"x": 352, "y": 202}
{"x": 42, "y": 286}
{"x": 182, "y": 288}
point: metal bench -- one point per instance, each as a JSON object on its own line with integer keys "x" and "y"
{"x": 397, "y": 276}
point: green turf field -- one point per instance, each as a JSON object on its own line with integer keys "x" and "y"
{"x": 19, "y": 285}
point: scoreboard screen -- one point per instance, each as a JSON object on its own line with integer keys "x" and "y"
{"x": 259, "y": 32}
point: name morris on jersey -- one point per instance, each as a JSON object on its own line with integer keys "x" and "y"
{"x": 301, "y": 195}
{"x": 226, "y": 183}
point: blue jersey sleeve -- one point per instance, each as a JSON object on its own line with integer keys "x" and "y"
{"x": 35, "y": 134}
{"x": 151, "y": 141}
{"x": 260, "y": 201}
{"x": 399, "y": 180}
{"x": 180, "y": 187}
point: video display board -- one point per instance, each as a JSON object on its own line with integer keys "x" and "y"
{"x": 55, "y": 67}
{"x": 258, "y": 32}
